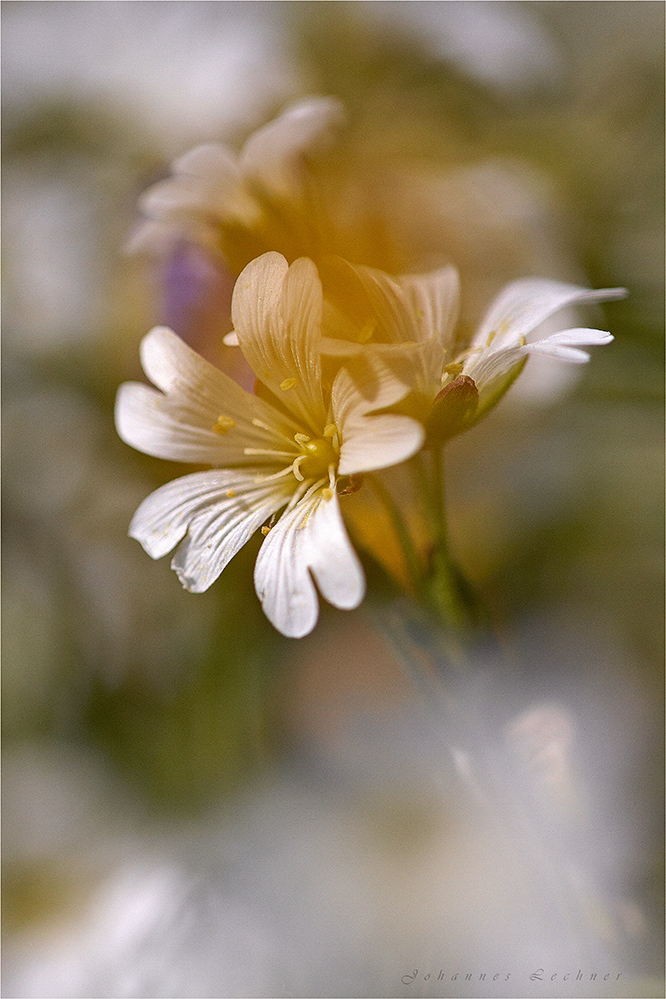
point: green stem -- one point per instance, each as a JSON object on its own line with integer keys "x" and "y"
{"x": 447, "y": 589}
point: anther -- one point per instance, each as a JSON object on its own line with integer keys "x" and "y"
{"x": 287, "y": 384}
{"x": 366, "y": 331}
{"x": 223, "y": 425}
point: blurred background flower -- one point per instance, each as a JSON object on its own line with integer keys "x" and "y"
{"x": 179, "y": 780}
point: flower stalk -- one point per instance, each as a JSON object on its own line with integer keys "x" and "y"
{"x": 448, "y": 595}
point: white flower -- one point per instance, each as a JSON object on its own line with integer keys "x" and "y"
{"x": 416, "y": 334}
{"x": 287, "y": 446}
{"x": 511, "y": 329}
{"x": 212, "y": 187}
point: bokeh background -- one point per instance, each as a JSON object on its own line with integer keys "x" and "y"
{"x": 194, "y": 805}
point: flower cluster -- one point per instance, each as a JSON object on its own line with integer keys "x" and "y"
{"x": 356, "y": 371}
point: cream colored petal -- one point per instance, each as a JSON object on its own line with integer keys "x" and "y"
{"x": 308, "y": 541}
{"x": 412, "y": 307}
{"x": 273, "y": 156}
{"x": 411, "y": 311}
{"x": 433, "y": 300}
{"x": 329, "y": 347}
{"x": 388, "y": 304}
{"x": 372, "y": 442}
{"x": 276, "y": 311}
{"x": 179, "y": 423}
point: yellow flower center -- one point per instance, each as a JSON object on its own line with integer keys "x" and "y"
{"x": 318, "y": 454}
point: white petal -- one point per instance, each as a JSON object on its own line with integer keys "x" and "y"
{"x": 206, "y": 181}
{"x": 570, "y": 354}
{"x": 276, "y": 311}
{"x": 490, "y": 365}
{"x": 163, "y": 518}
{"x": 523, "y": 305}
{"x": 371, "y": 442}
{"x": 172, "y": 365}
{"x": 309, "y": 539}
{"x": 175, "y": 196}
{"x": 150, "y": 422}
{"x": 207, "y": 161}
{"x": 178, "y": 425}
{"x": 577, "y": 337}
{"x": 221, "y": 529}
{"x": 272, "y": 156}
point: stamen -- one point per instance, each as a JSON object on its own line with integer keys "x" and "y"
{"x": 266, "y": 451}
{"x": 302, "y": 438}
{"x": 327, "y": 493}
{"x": 296, "y": 467}
{"x": 313, "y": 488}
{"x": 274, "y": 430}
{"x": 287, "y": 384}
{"x": 274, "y": 475}
{"x": 331, "y": 431}
{"x": 231, "y": 493}
{"x": 304, "y": 496}
{"x": 454, "y": 368}
{"x": 265, "y": 530}
{"x": 301, "y": 489}
{"x": 223, "y": 425}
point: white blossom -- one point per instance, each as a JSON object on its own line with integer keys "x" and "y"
{"x": 289, "y": 446}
